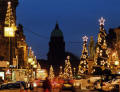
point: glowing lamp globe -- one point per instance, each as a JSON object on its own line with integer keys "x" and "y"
{"x": 35, "y": 66}
{"x": 33, "y": 63}
{"x": 116, "y": 62}
{"x": 9, "y": 32}
{"x": 30, "y": 60}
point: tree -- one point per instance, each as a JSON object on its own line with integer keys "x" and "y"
{"x": 68, "y": 70}
{"x": 60, "y": 73}
{"x": 51, "y": 73}
{"x": 83, "y": 66}
{"x": 102, "y": 51}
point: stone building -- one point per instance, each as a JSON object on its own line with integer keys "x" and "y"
{"x": 56, "y": 54}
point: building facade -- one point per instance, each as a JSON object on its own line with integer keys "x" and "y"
{"x": 56, "y": 54}
{"x": 14, "y": 49}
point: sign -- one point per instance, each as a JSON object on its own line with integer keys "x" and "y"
{"x": 9, "y": 32}
{"x": 4, "y": 64}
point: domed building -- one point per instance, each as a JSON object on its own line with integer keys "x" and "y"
{"x": 56, "y": 54}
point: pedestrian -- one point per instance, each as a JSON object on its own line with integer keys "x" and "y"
{"x": 47, "y": 85}
{"x": 31, "y": 86}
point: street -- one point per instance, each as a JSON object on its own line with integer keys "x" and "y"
{"x": 41, "y": 90}
{"x": 35, "y": 90}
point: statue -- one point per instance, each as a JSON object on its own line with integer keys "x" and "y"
{"x": 91, "y": 48}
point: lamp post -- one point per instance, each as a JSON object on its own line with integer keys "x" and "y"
{"x": 116, "y": 65}
{"x": 9, "y": 30}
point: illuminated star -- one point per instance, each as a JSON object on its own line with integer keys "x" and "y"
{"x": 101, "y": 21}
{"x": 85, "y": 38}
{"x": 9, "y": 3}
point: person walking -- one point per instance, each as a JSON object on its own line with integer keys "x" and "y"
{"x": 47, "y": 85}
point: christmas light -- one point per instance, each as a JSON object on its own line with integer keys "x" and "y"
{"x": 10, "y": 26}
{"x": 102, "y": 51}
{"x": 101, "y": 21}
{"x": 67, "y": 70}
{"x": 51, "y": 73}
{"x": 83, "y": 60}
{"x": 85, "y": 38}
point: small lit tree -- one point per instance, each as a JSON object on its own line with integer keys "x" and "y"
{"x": 83, "y": 66}
{"x": 60, "y": 73}
{"x": 68, "y": 70}
{"x": 51, "y": 73}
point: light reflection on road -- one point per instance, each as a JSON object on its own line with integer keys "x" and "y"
{"x": 41, "y": 90}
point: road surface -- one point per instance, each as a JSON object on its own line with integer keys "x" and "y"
{"x": 41, "y": 90}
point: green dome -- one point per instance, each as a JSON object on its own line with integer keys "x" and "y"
{"x": 57, "y": 32}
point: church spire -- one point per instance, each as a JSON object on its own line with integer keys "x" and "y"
{"x": 57, "y": 26}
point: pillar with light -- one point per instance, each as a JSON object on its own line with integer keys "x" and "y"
{"x": 10, "y": 28}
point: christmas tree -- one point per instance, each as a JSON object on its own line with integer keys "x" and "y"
{"x": 83, "y": 66}
{"x": 10, "y": 22}
{"x": 102, "y": 52}
{"x": 60, "y": 73}
{"x": 68, "y": 70}
{"x": 51, "y": 73}
{"x": 38, "y": 66}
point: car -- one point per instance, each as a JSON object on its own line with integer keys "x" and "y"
{"x": 67, "y": 86}
{"x": 38, "y": 83}
{"x": 106, "y": 86}
{"x": 10, "y": 86}
{"x": 55, "y": 84}
{"x": 22, "y": 83}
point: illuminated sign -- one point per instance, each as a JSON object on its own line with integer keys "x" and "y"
{"x": 4, "y": 63}
{"x": 9, "y": 32}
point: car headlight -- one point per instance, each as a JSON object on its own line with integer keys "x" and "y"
{"x": 67, "y": 85}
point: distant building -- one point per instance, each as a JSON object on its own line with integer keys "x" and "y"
{"x": 56, "y": 54}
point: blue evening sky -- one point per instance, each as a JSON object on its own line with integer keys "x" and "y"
{"x": 76, "y": 18}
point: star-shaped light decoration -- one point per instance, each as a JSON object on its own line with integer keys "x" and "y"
{"x": 85, "y": 38}
{"x": 9, "y": 3}
{"x": 102, "y": 21}
{"x": 68, "y": 57}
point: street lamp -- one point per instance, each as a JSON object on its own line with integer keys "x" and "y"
{"x": 34, "y": 66}
{"x": 9, "y": 30}
{"x": 10, "y": 27}
{"x": 30, "y": 60}
{"x": 116, "y": 63}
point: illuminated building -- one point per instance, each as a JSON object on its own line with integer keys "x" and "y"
{"x": 22, "y": 47}
{"x": 17, "y": 44}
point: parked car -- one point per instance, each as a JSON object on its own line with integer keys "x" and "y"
{"x": 38, "y": 83}
{"x": 107, "y": 86}
{"x": 22, "y": 83}
{"x": 67, "y": 86}
{"x": 10, "y": 86}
